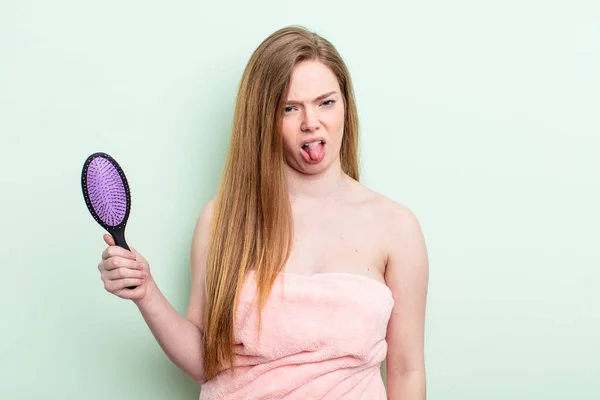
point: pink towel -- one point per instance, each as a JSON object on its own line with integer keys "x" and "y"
{"x": 323, "y": 337}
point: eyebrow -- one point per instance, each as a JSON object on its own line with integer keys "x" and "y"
{"x": 321, "y": 97}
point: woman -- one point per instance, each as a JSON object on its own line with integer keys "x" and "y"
{"x": 303, "y": 280}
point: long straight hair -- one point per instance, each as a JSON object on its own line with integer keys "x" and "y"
{"x": 252, "y": 225}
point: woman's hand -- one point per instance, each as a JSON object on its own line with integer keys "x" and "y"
{"x": 121, "y": 269}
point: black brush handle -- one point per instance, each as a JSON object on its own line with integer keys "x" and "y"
{"x": 119, "y": 236}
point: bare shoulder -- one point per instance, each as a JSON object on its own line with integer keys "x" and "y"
{"x": 399, "y": 227}
{"x": 392, "y": 216}
{"x": 201, "y": 235}
{"x": 199, "y": 249}
{"x": 206, "y": 214}
{"x": 407, "y": 251}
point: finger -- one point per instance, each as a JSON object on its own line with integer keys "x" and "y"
{"x": 117, "y": 251}
{"x": 130, "y": 294}
{"x": 123, "y": 273}
{"x": 120, "y": 262}
{"x": 114, "y": 286}
{"x": 135, "y": 252}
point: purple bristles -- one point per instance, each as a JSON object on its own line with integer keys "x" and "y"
{"x": 106, "y": 191}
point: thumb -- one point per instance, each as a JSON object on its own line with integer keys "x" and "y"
{"x": 108, "y": 239}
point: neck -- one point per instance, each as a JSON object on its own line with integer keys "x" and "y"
{"x": 318, "y": 186}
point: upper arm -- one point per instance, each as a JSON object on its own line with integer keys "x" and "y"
{"x": 407, "y": 276}
{"x": 199, "y": 248}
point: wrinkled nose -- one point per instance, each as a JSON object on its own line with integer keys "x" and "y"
{"x": 310, "y": 122}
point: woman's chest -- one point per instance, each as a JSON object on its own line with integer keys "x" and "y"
{"x": 338, "y": 241}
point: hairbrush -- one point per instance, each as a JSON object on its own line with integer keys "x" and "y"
{"x": 106, "y": 194}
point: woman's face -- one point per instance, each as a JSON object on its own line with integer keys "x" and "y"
{"x": 313, "y": 120}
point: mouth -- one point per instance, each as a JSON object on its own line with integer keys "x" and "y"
{"x": 313, "y": 150}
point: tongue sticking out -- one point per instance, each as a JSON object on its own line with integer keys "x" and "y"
{"x": 315, "y": 151}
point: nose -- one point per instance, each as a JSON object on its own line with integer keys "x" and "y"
{"x": 310, "y": 122}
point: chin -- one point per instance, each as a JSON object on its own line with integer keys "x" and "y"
{"x": 314, "y": 169}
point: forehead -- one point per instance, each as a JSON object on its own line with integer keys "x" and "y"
{"x": 311, "y": 79}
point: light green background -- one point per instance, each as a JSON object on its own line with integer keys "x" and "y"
{"x": 482, "y": 117}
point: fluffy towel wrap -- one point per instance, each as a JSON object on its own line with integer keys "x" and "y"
{"x": 323, "y": 337}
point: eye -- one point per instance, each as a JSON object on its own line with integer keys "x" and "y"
{"x": 328, "y": 103}
{"x": 288, "y": 110}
